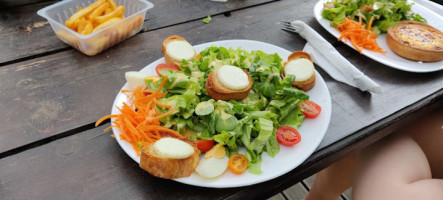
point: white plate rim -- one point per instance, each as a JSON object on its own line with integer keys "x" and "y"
{"x": 322, "y": 123}
{"x": 390, "y": 58}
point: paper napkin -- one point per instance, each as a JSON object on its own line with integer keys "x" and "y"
{"x": 330, "y": 60}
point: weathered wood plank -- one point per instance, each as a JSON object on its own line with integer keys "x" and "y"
{"x": 53, "y": 94}
{"x": 26, "y": 34}
{"x": 91, "y": 165}
{"x": 347, "y": 194}
{"x": 278, "y": 196}
{"x": 14, "y": 3}
{"x": 296, "y": 192}
{"x": 88, "y": 165}
{"x": 336, "y": 151}
{"x": 310, "y": 181}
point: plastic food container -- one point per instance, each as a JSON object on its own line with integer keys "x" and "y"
{"x": 91, "y": 44}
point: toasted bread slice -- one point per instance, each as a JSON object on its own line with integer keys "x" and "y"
{"x": 416, "y": 41}
{"x": 168, "y": 168}
{"x": 176, "y": 48}
{"x": 218, "y": 91}
{"x": 300, "y": 65}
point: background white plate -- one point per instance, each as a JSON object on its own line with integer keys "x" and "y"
{"x": 390, "y": 58}
{"x": 312, "y": 130}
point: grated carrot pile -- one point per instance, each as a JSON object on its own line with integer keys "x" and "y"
{"x": 360, "y": 37}
{"x": 139, "y": 123}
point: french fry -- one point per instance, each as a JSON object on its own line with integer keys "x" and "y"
{"x": 108, "y": 10}
{"x": 83, "y": 12}
{"x": 116, "y": 13}
{"x": 81, "y": 24}
{"x": 106, "y": 23}
{"x": 74, "y": 25}
{"x": 87, "y": 28}
{"x": 126, "y": 29}
{"x": 67, "y": 37}
{"x": 102, "y": 42}
{"x": 94, "y": 17}
{"x": 62, "y": 34}
{"x": 113, "y": 5}
{"x": 96, "y": 46}
{"x": 78, "y": 23}
{"x": 98, "y": 11}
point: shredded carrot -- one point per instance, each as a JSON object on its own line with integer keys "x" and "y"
{"x": 161, "y": 104}
{"x": 370, "y": 23}
{"x": 107, "y": 129}
{"x": 139, "y": 123}
{"x": 359, "y": 36}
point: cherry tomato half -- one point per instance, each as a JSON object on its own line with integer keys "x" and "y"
{"x": 204, "y": 145}
{"x": 310, "y": 109}
{"x": 238, "y": 163}
{"x": 165, "y": 67}
{"x": 288, "y": 136}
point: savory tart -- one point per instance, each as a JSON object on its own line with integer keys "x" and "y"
{"x": 416, "y": 41}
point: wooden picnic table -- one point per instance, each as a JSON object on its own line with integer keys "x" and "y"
{"x": 51, "y": 95}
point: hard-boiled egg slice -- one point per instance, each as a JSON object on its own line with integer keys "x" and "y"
{"x": 212, "y": 167}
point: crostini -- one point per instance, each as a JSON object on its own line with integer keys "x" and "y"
{"x": 416, "y": 41}
{"x": 228, "y": 83}
{"x": 175, "y": 49}
{"x": 300, "y": 65}
{"x": 170, "y": 158}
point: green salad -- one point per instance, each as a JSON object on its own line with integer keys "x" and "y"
{"x": 250, "y": 123}
{"x": 386, "y": 13}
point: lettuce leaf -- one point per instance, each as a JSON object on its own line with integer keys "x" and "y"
{"x": 386, "y": 13}
{"x": 249, "y": 123}
{"x": 266, "y": 129}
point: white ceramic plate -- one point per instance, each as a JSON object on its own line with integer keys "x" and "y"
{"x": 390, "y": 58}
{"x": 312, "y": 130}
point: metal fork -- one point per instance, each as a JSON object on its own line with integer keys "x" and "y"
{"x": 285, "y": 25}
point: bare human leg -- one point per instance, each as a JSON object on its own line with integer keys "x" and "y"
{"x": 395, "y": 168}
{"x": 334, "y": 180}
{"x": 428, "y": 133}
{"x": 423, "y": 150}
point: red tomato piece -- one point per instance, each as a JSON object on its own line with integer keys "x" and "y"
{"x": 310, "y": 109}
{"x": 204, "y": 145}
{"x": 165, "y": 67}
{"x": 288, "y": 136}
